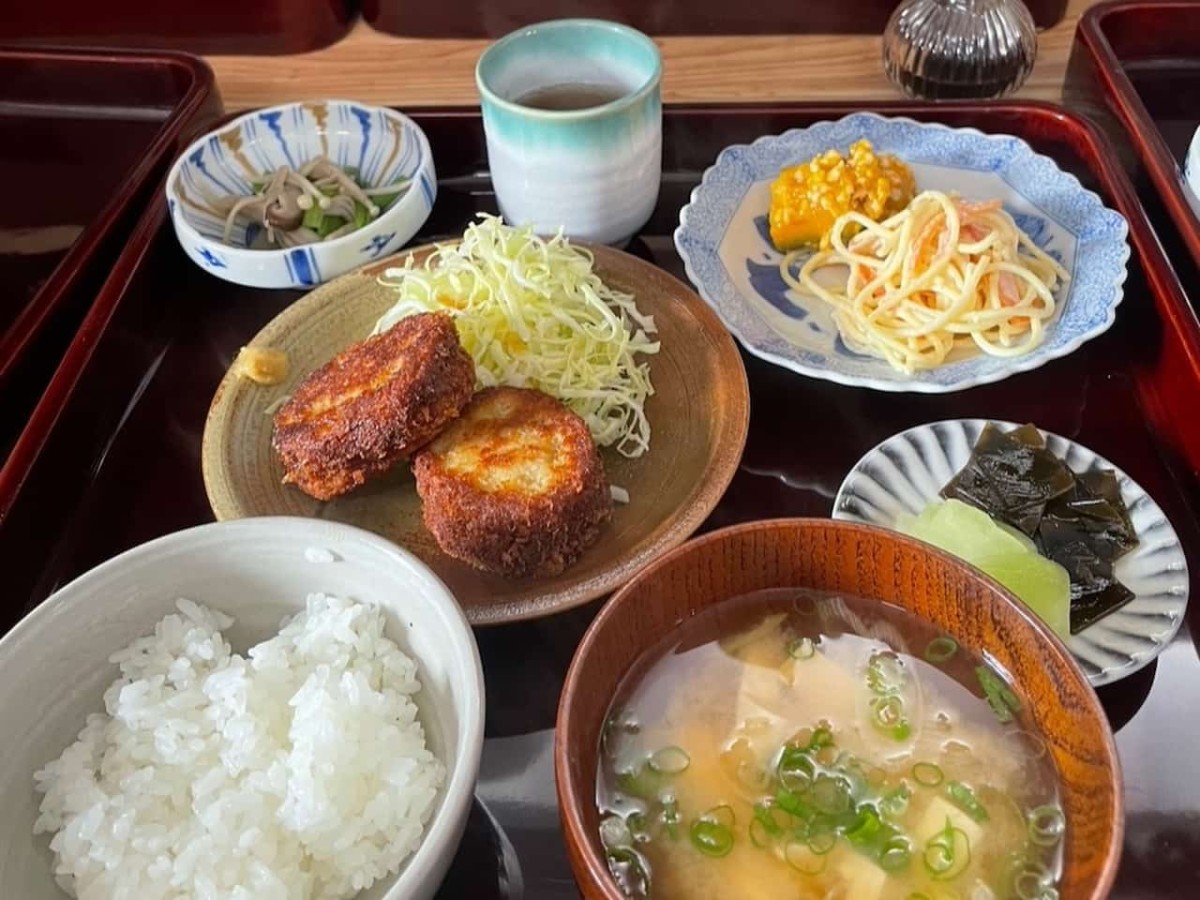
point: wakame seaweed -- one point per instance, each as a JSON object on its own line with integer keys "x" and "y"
{"x": 1011, "y": 477}
{"x": 1090, "y": 608}
{"x": 1078, "y": 521}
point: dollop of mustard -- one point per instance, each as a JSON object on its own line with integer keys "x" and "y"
{"x": 261, "y": 365}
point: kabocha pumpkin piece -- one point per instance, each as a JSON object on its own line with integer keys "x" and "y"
{"x": 807, "y": 198}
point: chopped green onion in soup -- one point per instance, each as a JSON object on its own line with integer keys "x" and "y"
{"x": 795, "y": 782}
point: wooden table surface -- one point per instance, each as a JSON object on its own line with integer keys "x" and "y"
{"x": 379, "y": 68}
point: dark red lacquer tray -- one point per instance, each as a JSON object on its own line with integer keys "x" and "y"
{"x": 493, "y": 18}
{"x": 84, "y": 139}
{"x": 111, "y": 459}
{"x": 214, "y": 26}
{"x": 1135, "y": 68}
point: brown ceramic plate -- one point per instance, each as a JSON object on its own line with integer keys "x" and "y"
{"x": 698, "y": 414}
{"x": 844, "y": 557}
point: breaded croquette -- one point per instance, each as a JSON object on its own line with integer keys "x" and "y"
{"x": 372, "y": 405}
{"x": 515, "y": 486}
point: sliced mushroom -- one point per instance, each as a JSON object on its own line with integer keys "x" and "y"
{"x": 275, "y": 185}
{"x": 309, "y": 168}
{"x": 297, "y": 237}
{"x": 297, "y": 180}
{"x": 341, "y": 205}
{"x": 284, "y": 212}
{"x": 338, "y": 232}
{"x": 325, "y": 171}
{"x": 321, "y": 168}
{"x": 252, "y": 208}
{"x": 281, "y": 204}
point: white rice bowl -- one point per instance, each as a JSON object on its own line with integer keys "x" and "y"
{"x": 328, "y": 756}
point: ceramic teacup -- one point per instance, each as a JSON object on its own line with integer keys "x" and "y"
{"x": 592, "y": 168}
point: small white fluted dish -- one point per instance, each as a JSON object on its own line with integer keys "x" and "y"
{"x": 908, "y": 470}
{"x": 727, "y": 252}
{"x": 54, "y": 664}
{"x": 384, "y": 145}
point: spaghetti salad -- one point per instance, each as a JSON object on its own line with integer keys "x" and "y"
{"x": 942, "y": 273}
{"x": 533, "y": 313}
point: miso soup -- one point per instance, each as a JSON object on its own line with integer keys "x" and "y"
{"x": 792, "y": 744}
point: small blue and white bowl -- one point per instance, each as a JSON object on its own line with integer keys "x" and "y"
{"x": 385, "y": 146}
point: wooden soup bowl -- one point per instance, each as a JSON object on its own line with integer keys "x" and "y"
{"x": 869, "y": 562}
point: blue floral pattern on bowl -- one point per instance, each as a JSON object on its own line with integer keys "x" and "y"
{"x": 726, "y": 249}
{"x": 383, "y": 145}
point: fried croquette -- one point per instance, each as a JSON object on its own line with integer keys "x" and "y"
{"x": 515, "y": 486}
{"x": 372, "y": 405}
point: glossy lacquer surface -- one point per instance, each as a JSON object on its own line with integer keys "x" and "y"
{"x": 121, "y": 465}
{"x": 1135, "y": 68}
{"x": 493, "y": 18}
{"x": 84, "y": 138}
{"x": 215, "y": 26}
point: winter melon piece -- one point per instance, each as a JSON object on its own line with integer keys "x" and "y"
{"x": 1011, "y": 559}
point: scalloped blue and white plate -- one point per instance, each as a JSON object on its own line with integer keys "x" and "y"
{"x": 908, "y": 470}
{"x": 727, "y": 252}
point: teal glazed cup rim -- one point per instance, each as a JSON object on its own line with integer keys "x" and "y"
{"x": 494, "y": 55}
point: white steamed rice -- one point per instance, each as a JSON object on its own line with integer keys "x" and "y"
{"x": 297, "y": 771}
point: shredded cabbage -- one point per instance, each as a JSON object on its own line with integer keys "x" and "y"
{"x": 533, "y": 313}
